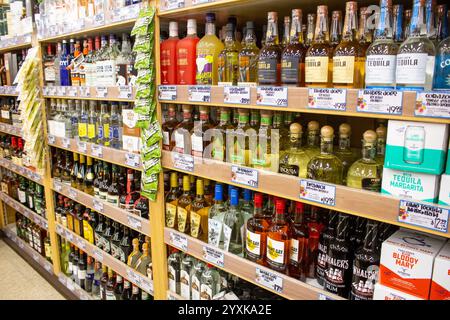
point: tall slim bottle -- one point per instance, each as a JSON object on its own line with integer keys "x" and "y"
{"x": 64, "y": 62}
{"x": 186, "y": 54}
{"x": 248, "y": 58}
{"x": 397, "y": 23}
{"x": 442, "y": 70}
{"x": 269, "y": 60}
{"x": 310, "y": 25}
{"x": 168, "y": 55}
{"x": 336, "y": 28}
{"x": 228, "y": 65}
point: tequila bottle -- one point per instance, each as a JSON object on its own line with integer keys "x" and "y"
{"x": 199, "y": 214}
{"x": 298, "y": 254}
{"x": 248, "y": 58}
{"x": 366, "y": 172}
{"x": 209, "y": 283}
{"x": 182, "y": 132}
{"x": 103, "y": 125}
{"x": 278, "y": 242}
{"x": 294, "y": 160}
{"x": 173, "y": 269}
{"x": 238, "y": 141}
{"x": 269, "y": 60}
{"x": 228, "y": 61}
{"x": 196, "y": 274}
{"x": 265, "y": 155}
{"x": 312, "y": 139}
{"x": 184, "y": 201}
{"x": 186, "y": 53}
{"x": 381, "y": 144}
{"x": 382, "y": 53}
{"x": 286, "y": 32}
{"x": 336, "y": 28}
{"x": 326, "y": 166}
{"x": 416, "y": 55}
{"x": 397, "y": 23}
{"x": 220, "y": 133}
{"x": 343, "y": 151}
{"x": 199, "y": 140}
{"x": 365, "y": 36}
{"x": 187, "y": 264}
{"x": 311, "y": 22}
{"x": 172, "y": 200}
{"x": 442, "y": 70}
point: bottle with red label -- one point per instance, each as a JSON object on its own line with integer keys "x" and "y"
{"x": 168, "y": 55}
{"x": 186, "y": 55}
{"x": 315, "y": 228}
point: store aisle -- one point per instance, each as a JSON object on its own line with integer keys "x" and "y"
{"x": 19, "y": 281}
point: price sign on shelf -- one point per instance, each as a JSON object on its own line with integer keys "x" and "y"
{"x": 51, "y": 139}
{"x": 133, "y": 160}
{"x": 135, "y": 222}
{"x": 102, "y": 92}
{"x": 432, "y": 104}
{"x": 99, "y": 19}
{"x": 85, "y": 92}
{"x": 272, "y": 96}
{"x": 73, "y": 194}
{"x": 59, "y": 229}
{"x": 82, "y": 147}
{"x": 199, "y": 93}
{"x": 125, "y": 92}
{"x": 72, "y": 91}
{"x": 183, "y": 161}
{"x": 194, "y": 2}
{"x": 81, "y": 244}
{"x": 167, "y": 93}
{"x": 174, "y": 4}
{"x": 327, "y": 99}
{"x": 69, "y": 236}
{"x": 245, "y": 176}
{"x": 269, "y": 279}
{"x": 97, "y": 151}
{"x": 62, "y": 278}
{"x": 60, "y": 91}
{"x": 324, "y": 297}
{"x": 98, "y": 205}
{"x": 236, "y": 95}
{"x": 57, "y": 186}
{"x": 179, "y": 240}
{"x": 424, "y": 215}
{"x": 214, "y": 256}
{"x": 380, "y": 101}
{"x": 318, "y": 192}
{"x": 65, "y": 143}
{"x": 146, "y": 284}
{"x": 98, "y": 254}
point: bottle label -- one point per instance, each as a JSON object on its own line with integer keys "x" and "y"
{"x": 4, "y": 187}
{"x": 275, "y": 251}
{"x": 5, "y": 114}
{"x": 50, "y": 73}
{"x": 380, "y": 69}
{"x": 103, "y": 195}
{"x": 70, "y": 267}
{"x": 268, "y": 70}
{"x": 294, "y": 250}
{"x": 172, "y": 279}
{"x": 115, "y": 251}
{"x": 182, "y": 219}
{"x": 316, "y": 69}
{"x": 290, "y": 70}
{"x": 113, "y": 200}
{"x": 221, "y": 69}
{"x": 197, "y": 145}
{"x": 195, "y": 288}
{"x": 21, "y": 194}
{"x": 246, "y": 65}
{"x": 81, "y": 274}
{"x": 206, "y": 292}
{"x": 371, "y": 184}
{"x": 204, "y": 69}
{"x": 412, "y": 67}
{"x": 291, "y": 170}
{"x": 96, "y": 192}
{"x": 106, "y": 246}
{"x": 214, "y": 232}
{"x": 166, "y": 140}
{"x": 82, "y": 130}
{"x": 363, "y": 281}
{"x": 195, "y": 224}
{"x": 253, "y": 245}
{"x": 321, "y": 260}
{"x": 91, "y": 131}
{"x": 171, "y": 212}
{"x": 185, "y": 285}
{"x": 442, "y": 73}
{"x": 109, "y": 73}
{"x": 343, "y": 69}
{"x": 226, "y": 237}
{"x": 337, "y": 273}
{"x": 179, "y": 141}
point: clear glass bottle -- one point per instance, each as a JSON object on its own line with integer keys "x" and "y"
{"x": 310, "y": 25}
{"x": 103, "y": 125}
{"x": 286, "y": 32}
{"x": 442, "y": 69}
{"x": 196, "y": 274}
{"x": 267, "y": 149}
{"x": 269, "y": 59}
{"x": 92, "y": 122}
{"x": 182, "y": 132}
{"x": 336, "y": 28}
{"x": 397, "y": 24}
{"x": 199, "y": 139}
{"x": 173, "y": 269}
{"x": 248, "y": 58}
{"x": 381, "y": 144}
{"x": 228, "y": 61}
{"x": 238, "y": 140}
{"x": 209, "y": 283}
{"x": 219, "y": 138}
{"x": 233, "y": 226}
{"x": 115, "y": 127}
{"x": 344, "y": 151}
{"x": 312, "y": 139}
{"x": 294, "y": 160}
{"x": 215, "y": 218}
{"x": 83, "y": 122}
{"x": 187, "y": 264}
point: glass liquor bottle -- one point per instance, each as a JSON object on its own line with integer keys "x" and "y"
{"x": 184, "y": 201}
{"x": 173, "y": 270}
{"x": 115, "y": 240}
{"x": 187, "y": 264}
{"x": 105, "y": 183}
{"x": 196, "y": 273}
{"x": 199, "y": 214}
{"x": 416, "y": 55}
{"x": 168, "y": 56}
{"x": 293, "y": 56}
{"x": 298, "y": 254}
{"x": 198, "y": 138}
{"x": 294, "y": 160}
{"x": 311, "y": 22}
{"x": 238, "y": 143}
{"x": 233, "y": 222}
{"x": 109, "y": 286}
{"x": 248, "y": 58}
{"x": 336, "y": 28}
{"x": 115, "y": 127}
{"x": 209, "y": 283}
{"x": 81, "y": 172}
{"x": 397, "y": 23}
{"x": 256, "y": 232}
{"x": 215, "y": 217}
{"x": 441, "y": 22}
{"x": 88, "y": 182}
{"x": 92, "y": 129}
{"x": 318, "y": 60}
{"x": 381, "y": 144}
{"x": 64, "y": 62}
{"x": 343, "y": 151}
{"x": 382, "y": 53}
{"x": 171, "y": 201}
{"x": 442, "y": 70}
{"x": 365, "y": 35}
{"x": 286, "y": 32}
{"x": 103, "y": 125}
{"x": 269, "y": 59}
{"x": 366, "y": 172}
{"x": 228, "y": 60}
{"x": 324, "y": 242}
{"x": 123, "y": 62}
{"x": 326, "y": 166}
{"x": 246, "y": 205}
{"x": 221, "y": 131}
{"x": 255, "y": 119}
{"x": 83, "y": 122}
{"x": 266, "y": 155}
{"x": 315, "y": 228}
{"x": 144, "y": 262}
{"x": 186, "y": 50}
{"x": 208, "y": 50}
{"x": 98, "y": 178}
{"x": 113, "y": 189}
{"x": 277, "y": 254}
{"x": 168, "y": 127}
{"x": 182, "y": 132}
{"x": 348, "y": 58}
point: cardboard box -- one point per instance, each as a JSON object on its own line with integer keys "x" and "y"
{"x": 410, "y": 185}
{"x": 444, "y": 191}
{"x": 385, "y": 293}
{"x": 416, "y": 146}
{"x": 406, "y": 262}
{"x": 440, "y": 285}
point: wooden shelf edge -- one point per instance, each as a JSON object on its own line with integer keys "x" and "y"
{"x": 24, "y": 42}
{"x": 20, "y": 170}
{"x": 188, "y": 7}
{"x": 30, "y": 214}
{"x": 10, "y": 129}
{"x": 173, "y": 296}
{"x": 366, "y": 204}
{"x": 110, "y": 211}
{"x": 113, "y": 93}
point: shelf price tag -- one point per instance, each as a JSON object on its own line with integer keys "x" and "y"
{"x": 21, "y": 245}
{"x": 269, "y": 280}
{"x": 324, "y": 297}
{"x": 48, "y": 267}
{"x": 2, "y": 127}
{"x": 424, "y": 215}
{"x": 272, "y": 96}
{"x": 432, "y": 104}
{"x": 183, "y": 161}
{"x": 327, "y": 99}
{"x": 125, "y": 92}
{"x": 380, "y": 101}
{"x": 62, "y": 278}
{"x": 98, "y": 254}
{"x": 60, "y": 91}
{"x": 57, "y": 186}
{"x": 69, "y": 236}
{"x": 199, "y": 93}
{"x": 214, "y": 256}
{"x": 51, "y": 139}
{"x": 102, "y": 92}
{"x": 66, "y": 143}
{"x": 80, "y": 244}
{"x": 174, "y": 4}
{"x": 85, "y": 92}
{"x": 194, "y": 2}
{"x": 98, "y": 205}
{"x": 236, "y": 95}
{"x": 167, "y": 93}
{"x": 133, "y": 160}
{"x": 134, "y": 222}
{"x": 146, "y": 284}
{"x": 245, "y": 176}
{"x": 70, "y": 285}
{"x": 99, "y": 19}
{"x": 82, "y": 147}
{"x": 318, "y": 192}
{"x": 179, "y": 240}
{"x": 97, "y": 151}
{"x": 73, "y": 194}
{"x": 71, "y": 91}
{"x": 35, "y": 257}
{"x": 59, "y": 229}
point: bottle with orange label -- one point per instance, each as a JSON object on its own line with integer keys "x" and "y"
{"x": 278, "y": 242}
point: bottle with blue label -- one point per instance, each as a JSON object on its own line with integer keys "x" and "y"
{"x": 63, "y": 64}
{"x": 442, "y": 67}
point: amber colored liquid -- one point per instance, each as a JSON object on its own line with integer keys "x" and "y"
{"x": 352, "y": 48}
{"x": 184, "y": 201}
{"x": 297, "y": 50}
{"x": 268, "y": 53}
{"x": 321, "y": 49}
{"x": 259, "y": 226}
{"x": 186, "y": 65}
{"x": 168, "y": 128}
{"x": 168, "y": 61}
{"x": 279, "y": 231}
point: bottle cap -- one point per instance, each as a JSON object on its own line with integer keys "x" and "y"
{"x": 218, "y": 192}
{"x": 210, "y": 17}
{"x": 381, "y": 132}
{"x": 295, "y": 128}
{"x": 351, "y": 6}
{"x": 297, "y": 14}
{"x": 287, "y": 19}
{"x": 200, "y": 187}
{"x": 234, "y": 197}
{"x": 243, "y": 111}
{"x": 322, "y": 10}
{"x": 336, "y": 14}
{"x": 313, "y": 126}
{"x": 247, "y": 195}
{"x": 345, "y": 130}
{"x": 187, "y": 108}
{"x": 370, "y": 136}
{"x": 192, "y": 26}
{"x": 258, "y": 200}
{"x": 279, "y": 206}
{"x": 203, "y": 109}
{"x": 327, "y": 132}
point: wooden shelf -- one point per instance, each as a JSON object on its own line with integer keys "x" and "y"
{"x": 30, "y": 214}
{"x": 126, "y": 218}
{"x": 114, "y": 156}
{"x": 10, "y": 129}
{"x": 118, "y": 266}
{"x": 245, "y": 269}
{"x": 74, "y": 288}
{"x": 23, "y": 171}
{"x": 173, "y": 296}
{"x": 298, "y": 102}
{"x": 116, "y": 93}
{"x": 15, "y": 43}
{"x": 8, "y": 91}
{"x": 370, "y": 205}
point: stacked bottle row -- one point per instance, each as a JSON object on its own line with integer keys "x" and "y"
{"x": 275, "y": 141}
{"x": 193, "y": 279}
{"x": 36, "y": 237}
{"x": 116, "y": 185}
{"x": 397, "y": 55}
{"x": 12, "y": 148}
{"x": 25, "y": 191}
{"x": 10, "y": 113}
{"x": 10, "y": 63}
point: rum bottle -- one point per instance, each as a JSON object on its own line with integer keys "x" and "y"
{"x": 269, "y": 60}
{"x": 324, "y": 242}
{"x": 278, "y": 240}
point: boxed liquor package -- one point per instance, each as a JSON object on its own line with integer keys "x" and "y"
{"x": 410, "y": 185}
{"x": 385, "y": 293}
{"x": 440, "y": 284}
{"x": 444, "y": 192}
{"x": 406, "y": 262}
{"x": 416, "y": 146}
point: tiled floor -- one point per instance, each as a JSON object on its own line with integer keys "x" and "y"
{"x": 19, "y": 281}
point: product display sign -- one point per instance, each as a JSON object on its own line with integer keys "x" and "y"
{"x": 179, "y": 240}
{"x": 318, "y": 192}
{"x": 245, "y": 176}
{"x": 327, "y": 99}
{"x": 236, "y": 95}
{"x": 199, "y": 93}
{"x": 432, "y": 104}
{"x": 167, "y": 93}
{"x": 183, "y": 162}
{"x": 214, "y": 256}
{"x": 269, "y": 279}
{"x": 272, "y": 96}
{"x": 380, "y": 101}
{"x": 424, "y": 215}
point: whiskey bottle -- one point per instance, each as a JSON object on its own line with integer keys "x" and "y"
{"x": 336, "y": 28}
{"x": 278, "y": 241}
{"x": 286, "y": 32}
{"x": 298, "y": 254}
{"x": 248, "y": 58}
{"x": 74, "y": 171}
{"x": 113, "y": 189}
{"x": 168, "y": 127}
{"x": 343, "y": 151}
{"x": 324, "y": 242}
{"x": 269, "y": 60}
{"x": 199, "y": 214}
{"x": 183, "y": 210}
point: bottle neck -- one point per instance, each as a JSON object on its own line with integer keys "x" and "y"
{"x": 371, "y": 237}
{"x": 384, "y": 28}
{"x": 312, "y": 139}
{"x": 350, "y": 26}
{"x": 250, "y": 38}
{"x": 298, "y": 217}
{"x": 272, "y": 33}
{"x": 326, "y": 145}
{"x": 418, "y": 26}
{"x": 286, "y": 34}
{"x": 210, "y": 29}
{"x": 296, "y": 141}
{"x": 321, "y": 32}
{"x": 336, "y": 30}
{"x": 368, "y": 151}
{"x": 296, "y": 35}
{"x": 344, "y": 143}
{"x": 381, "y": 146}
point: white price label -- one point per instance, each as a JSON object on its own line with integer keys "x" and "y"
{"x": 199, "y": 93}
{"x": 82, "y": 147}
{"x": 328, "y": 99}
{"x": 272, "y": 96}
{"x": 424, "y": 215}
{"x": 80, "y": 243}
{"x": 102, "y": 92}
{"x": 318, "y": 192}
{"x": 2, "y": 89}
{"x": 146, "y": 284}
{"x": 133, "y": 160}
{"x": 35, "y": 256}
{"x": 236, "y": 95}
{"x": 70, "y": 285}
{"x": 59, "y": 230}
{"x": 167, "y": 93}
{"x": 380, "y": 101}
{"x": 179, "y": 241}
{"x": 66, "y": 143}
{"x": 432, "y": 104}
{"x": 51, "y": 139}
{"x": 134, "y": 222}
{"x": 68, "y": 236}
{"x": 133, "y": 276}
{"x": 21, "y": 245}
{"x": 324, "y": 297}
{"x": 73, "y": 194}
{"x": 174, "y": 4}
{"x": 98, "y": 205}
{"x": 269, "y": 280}
{"x": 98, "y": 254}
{"x": 245, "y": 176}
{"x": 72, "y": 91}
{"x": 84, "y": 92}
{"x": 183, "y": 161}
{"x": 125, "y": 92}
{"x": 214, "y": 256}
{"x": 60, "y": 91}
{"x": 48, "y": 267}
{"x": 194, "y": 2}
{"x": 2, "y": 128}
{"x": 57, "y": 186}
{"x": 97, "y": 151}
{"x": 99, "y": 19}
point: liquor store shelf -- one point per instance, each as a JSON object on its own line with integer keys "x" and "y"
{"x": 74, "y": 288}
{"x": 119, "y": 267}
{"x": 30, "y": 214}
{"x": 10, "y": 129}
{"x": 245, "y": 269}
{"x": 115, "y": 156}
{"x": 8, "y": 91}
{"x": 297, "y": 101}
{"x": 367, "y": 204}
{"x": 128, "y": 219}
{"x": 23, "y": 171}
{"x": 173, "y": 296}
{"x": 115, "y": 93}
{"x": 15, "y": 43}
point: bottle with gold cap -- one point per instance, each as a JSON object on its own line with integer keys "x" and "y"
{"x": 145, "y": 261}
{"x": 199, "y": 214}
{"x": 265, "y": 154}
{"x": 198, "y": 131}
{"x": 344, "y": 151}
{"x": 294, "y": 160}
{"x": 238, "y": 148}
{"x": 366, "y": 172}
{"x": 135, "y": 254}
{"x": 171, "y": 201}
{"x": 381, "y": 144}
{"x": 183, "y": 207}
{"x": 219, "y": 139}
{"x": 326, "y": 166}
{"x": 312, "y": 139}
